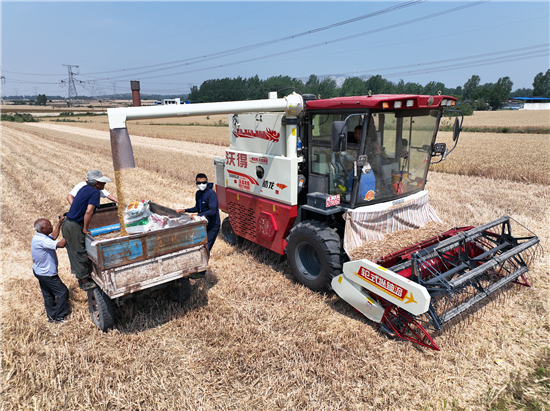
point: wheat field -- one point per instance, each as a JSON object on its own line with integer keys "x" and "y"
{"x": 509, "y": 118}
{"x": 250, "y": 337}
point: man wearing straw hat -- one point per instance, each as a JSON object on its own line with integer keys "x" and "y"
{"x": 75, "y": 227}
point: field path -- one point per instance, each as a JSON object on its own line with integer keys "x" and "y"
{"x": 197, "y": 149}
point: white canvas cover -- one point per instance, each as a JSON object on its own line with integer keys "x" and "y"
{"x": 372, "y": 222}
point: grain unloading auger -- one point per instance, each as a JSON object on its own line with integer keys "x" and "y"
{"x": 426, "y": 286}
{"x": 313, "y": 179}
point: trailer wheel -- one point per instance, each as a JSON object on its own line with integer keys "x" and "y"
{"x": 180, "y": 290}
{"x": 101, "y": 309}
{"x": 313, "y": 252}
{"x": 228, "y": 234}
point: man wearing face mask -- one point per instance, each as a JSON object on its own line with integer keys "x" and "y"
{"x": 206, "y": 205}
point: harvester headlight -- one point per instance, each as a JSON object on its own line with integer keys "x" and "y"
{"x": 444, "y": 102}
{"x": 396, "y": 104}
{"x": 385, "y": 104}
{"x": 450, "y": 103}
{"x": 410, "y": 103}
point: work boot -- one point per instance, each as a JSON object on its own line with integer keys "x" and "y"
{"x": 87, "y": 284}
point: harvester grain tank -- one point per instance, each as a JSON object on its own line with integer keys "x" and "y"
{"x": 313, "y": 179}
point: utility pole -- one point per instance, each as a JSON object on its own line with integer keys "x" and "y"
{"x": 70, "y": 80}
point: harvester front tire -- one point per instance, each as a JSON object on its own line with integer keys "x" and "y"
{"x": 180, "y": 290}
{"x": 313, "y": 251}
{"x": 228, "y": 234}
{"x": 101, "y": 309}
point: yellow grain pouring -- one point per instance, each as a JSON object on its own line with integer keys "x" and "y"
{"x": 121, "y": 202}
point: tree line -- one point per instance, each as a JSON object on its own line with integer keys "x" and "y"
{"x": 473, "y": 94}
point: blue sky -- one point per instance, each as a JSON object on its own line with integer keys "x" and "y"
{"x": 171, "y": 46}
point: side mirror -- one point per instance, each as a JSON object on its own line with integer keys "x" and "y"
{"x": 456, "y": 129}
{"x": 339, "y": 136}
{"x": 440, "y": 148}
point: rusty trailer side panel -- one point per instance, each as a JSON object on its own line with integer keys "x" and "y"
{"x": 123, "y": 280}
{"x": 124, "y": 265}
{"x": 116, "y": 252}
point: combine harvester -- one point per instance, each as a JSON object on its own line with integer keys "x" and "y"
{"x": 313, "y": 179}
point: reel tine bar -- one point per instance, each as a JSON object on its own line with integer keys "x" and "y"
{"x": 468, "y": 267}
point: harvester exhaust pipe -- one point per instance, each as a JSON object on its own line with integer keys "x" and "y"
{"x": 136, "y": 98}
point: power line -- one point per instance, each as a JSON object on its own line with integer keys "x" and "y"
{"x": 237, "y": 50}
{"x": 324, "y": 43}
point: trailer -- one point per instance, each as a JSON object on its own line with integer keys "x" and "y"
{"x": 123, "y": 266}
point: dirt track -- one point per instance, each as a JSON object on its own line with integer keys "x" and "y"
{"x": 197, "y": 149}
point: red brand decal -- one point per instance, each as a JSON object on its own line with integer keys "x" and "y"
{"x": 234, "y": 174}
{"x": 333, "y": 201}
{"x": 244, "y": 184}
{"x": 383, "y": 284}
{"x": 261, "y": 160}
{"x": 241, "y": 160}
{"x": 281, "y": 186}
{"x": 269, "y": 135}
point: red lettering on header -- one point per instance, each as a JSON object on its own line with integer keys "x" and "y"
{"x": 269, "y": 135}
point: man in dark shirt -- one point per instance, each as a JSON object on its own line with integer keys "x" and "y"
{"x": 75, "y": 226}
{"x": 206, "y": 205}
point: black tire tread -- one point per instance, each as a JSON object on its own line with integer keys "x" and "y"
{"x": 180, "y": 290}
{"x": 330, "y": 243}
{"x": 105, "y": 309}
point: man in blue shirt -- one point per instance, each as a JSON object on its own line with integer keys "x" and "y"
{"x": 76, "y": 225}
{"x": 44, "y": 267}
{"x": 206, "y": 205}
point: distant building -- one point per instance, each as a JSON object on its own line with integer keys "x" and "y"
{"x": 168, "y": 101}
{"x": 534, "y": 103}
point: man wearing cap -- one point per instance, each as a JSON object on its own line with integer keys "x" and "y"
{"x": 75, "y": 226}
{"x": 76, "y": 189}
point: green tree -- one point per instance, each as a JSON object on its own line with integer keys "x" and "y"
{"x": 312, "y": 85}
{"x": 379, "y": 85}
{"x": 541, "y": 84}
{"x": 408, "y": 88}
{"x": 522, "y": 92}
{"x": 353, "y": 86}
{"x": 327, "y": 88}
{"x": 433, "y": 87}
{"x": 254, "y": 87}
{"x": 500, "y": 92}
{"x": 41, "y": 100}
{"x": 471, "y": 87}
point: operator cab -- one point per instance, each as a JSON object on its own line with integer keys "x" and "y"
{"x": 390, "y": 160}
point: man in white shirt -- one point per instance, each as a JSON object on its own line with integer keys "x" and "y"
{"x": 76, "y": 189}
{"x": 44, "y": 267}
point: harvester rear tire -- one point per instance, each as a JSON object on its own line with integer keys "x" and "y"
{"x": 228, "y": 234}
{"x": 313, "y": 252}
{"x": 101, "y": 309}
{"x": 180, "y": 290}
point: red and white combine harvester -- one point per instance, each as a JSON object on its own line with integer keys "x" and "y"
{"x": 314, "y": 179}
